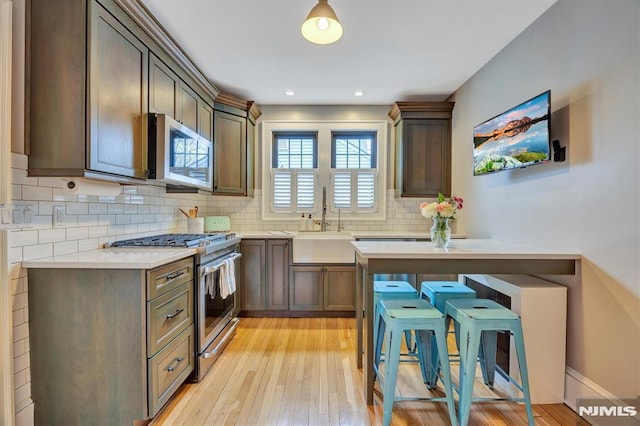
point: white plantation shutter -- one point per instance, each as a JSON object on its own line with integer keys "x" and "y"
{"x": 282, "y": 180}
{"x": 366, "y": 189}
{"x": 294, "y": 190}
{"x": 342, "y": 189}
{"x": 305, "y": 189}
{"x": 354, "y": 190}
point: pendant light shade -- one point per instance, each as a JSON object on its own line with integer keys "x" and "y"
{"x": 322, "y": 25}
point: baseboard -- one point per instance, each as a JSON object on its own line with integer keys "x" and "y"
{"x": 578, "y": 386}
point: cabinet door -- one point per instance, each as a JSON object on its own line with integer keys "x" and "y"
{"x": 163, "y": 87}
{"x": 251, "y": 149}
{"x": 252, "y": 275}
{"x": 205, "y": 120}
{"x": 278, "y": 274}
{"x": 230, "y": 154}
{"x": 188, "y": 107}
{"x": 118, "y": 70}
{"x": 339, "y": 288}
{"x": 305, "y": 293}
{"x": 426, "y": 157}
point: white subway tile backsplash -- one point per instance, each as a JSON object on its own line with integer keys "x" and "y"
{"x": 115, "y": 209}
{"x": 37, "y": 251}
{"x": 97, "y": 231}
{"x": 78, "y": 233}
{"x": 20, "y": 331}
{"x": 87, "y": 220}
{"x": 77, "y": 208}
{"x": 22, "y": 238}
{"x": 65, "y": 247}
{"x": 51, "y": 235}
{"x": 36, "y": 193}
{"x": 98, "y": 208}
{"x": 89, "y": 244}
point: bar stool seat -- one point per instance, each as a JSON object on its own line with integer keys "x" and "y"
{"x": 387, "y": 290}
{"x": 396, "y": 317}
{"x": 479, "y": 319}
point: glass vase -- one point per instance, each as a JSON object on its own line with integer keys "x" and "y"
{"x": 440, "y": 232}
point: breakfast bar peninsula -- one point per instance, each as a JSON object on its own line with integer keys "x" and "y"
{"x": 463, "y": 256}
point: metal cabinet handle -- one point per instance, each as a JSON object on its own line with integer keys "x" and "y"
{"x": 174, "y": 275}
{"x": 178, "y": 312}
{"x": 178, "y": 360}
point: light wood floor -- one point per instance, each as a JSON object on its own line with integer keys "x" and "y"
{"x": 301, "y": 371}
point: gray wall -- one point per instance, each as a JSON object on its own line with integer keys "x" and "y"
{"x": 587, "y": 53}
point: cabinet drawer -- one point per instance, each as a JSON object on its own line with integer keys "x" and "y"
{"x": 167, "y": 316}
{"x": 168, "y": 277}
{"x": 169, "y": 368}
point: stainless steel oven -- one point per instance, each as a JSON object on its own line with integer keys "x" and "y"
{"x": 217, "y": 320}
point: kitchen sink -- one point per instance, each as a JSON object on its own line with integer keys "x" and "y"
{"x": 323, "y": 247}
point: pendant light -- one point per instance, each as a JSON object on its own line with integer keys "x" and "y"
{"x": 322, "y": 25}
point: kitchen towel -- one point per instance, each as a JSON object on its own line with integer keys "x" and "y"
{"x": 227, "y": 278}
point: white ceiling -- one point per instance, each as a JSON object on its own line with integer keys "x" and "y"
{"x": 391, "y": 49}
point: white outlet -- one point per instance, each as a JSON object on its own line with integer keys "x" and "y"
{"x": 58, "y": 215}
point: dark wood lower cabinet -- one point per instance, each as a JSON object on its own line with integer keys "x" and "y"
{"x": 306, "y": 288}
{"x": 322, "y": 288}
{"x": 264, "y": 273}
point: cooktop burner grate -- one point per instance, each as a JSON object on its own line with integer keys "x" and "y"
{"x": 174, "y": 240}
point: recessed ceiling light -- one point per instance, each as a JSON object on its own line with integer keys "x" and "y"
{"x": 289, "y": 92}
{"x": 359, "y": 93}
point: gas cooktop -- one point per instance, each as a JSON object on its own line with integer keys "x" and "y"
{"x": 175, "y": 240}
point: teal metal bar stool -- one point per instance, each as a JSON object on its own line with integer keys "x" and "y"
{"x": 386, "y": 290}
{"x": 477, "y": 317}
{"x": 437, "y": 293}
{"x": 396, "y": 317}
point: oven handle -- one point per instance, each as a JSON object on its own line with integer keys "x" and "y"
{"x": 209, "y": 269}
{"x": 214, "y": 351}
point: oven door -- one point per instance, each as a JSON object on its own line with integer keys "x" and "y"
{"x": 215, "y": 314}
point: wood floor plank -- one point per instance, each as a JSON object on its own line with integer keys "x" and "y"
{"x": 301, "y": 371}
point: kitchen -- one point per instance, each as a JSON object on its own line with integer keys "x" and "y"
{"x": 587, "y": 59}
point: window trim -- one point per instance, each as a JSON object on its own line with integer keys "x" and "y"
{"x": 324, "y": 129}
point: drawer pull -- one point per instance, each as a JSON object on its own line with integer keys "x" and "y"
{"x": 178, "y": 312}
{"x": 178, "y": 360}
{"x": 174, "y": 275}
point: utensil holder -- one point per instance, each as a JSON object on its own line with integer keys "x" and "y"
{"x": 195, "y": 225}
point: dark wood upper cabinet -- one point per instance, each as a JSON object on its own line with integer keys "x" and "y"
{"x": 87, "y": 93}
{"x": 169, "y": 94}
{"x": 234, "y": 145}
{"x": 118, "y": 98}
{"x": 423, "y": 148}
{"x": 188, "y": 107}
{"x": 163, "y": 87}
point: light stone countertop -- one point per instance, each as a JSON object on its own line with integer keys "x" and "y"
{"x": 113, "y": 258}
{"x": 457, "y": 249}
{"x": 355, "y": 234}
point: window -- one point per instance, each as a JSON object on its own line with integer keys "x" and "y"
{"x": 294, "y": 171}
{"x": 301, "y": 158}
{"x": 353, "y": 171}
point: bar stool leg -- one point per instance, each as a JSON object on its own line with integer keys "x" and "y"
{"x": 468, "y": 361}
{"x": 441, "y": 342}
{"x": 524, "y": 373}
{"x": 425, "y": 341}
{"x": 393, "y": 337}
{"x": 380, "y": 336}
{"x": 488, "y": 345}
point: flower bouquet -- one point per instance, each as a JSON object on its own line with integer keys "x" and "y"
{"x": 441, "y": 212}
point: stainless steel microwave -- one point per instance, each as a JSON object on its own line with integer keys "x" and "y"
{"x": 178, "y": 155}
